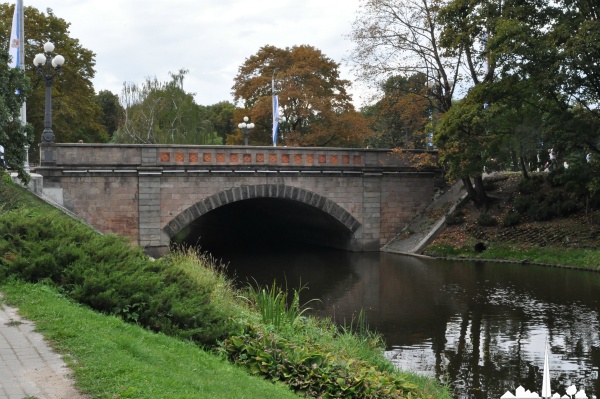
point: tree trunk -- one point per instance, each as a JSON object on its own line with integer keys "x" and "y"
{"x": 481, "y": 194}
{"x": 523, "y": 167}
{"x": 476, "y": 193}
{"x": 515, "y": 160}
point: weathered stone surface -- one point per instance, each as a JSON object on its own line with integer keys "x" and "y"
{"x": 149, "y": 193}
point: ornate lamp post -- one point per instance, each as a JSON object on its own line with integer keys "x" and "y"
{"x": 44, "y": 68}
{"x": 245, "y": 127}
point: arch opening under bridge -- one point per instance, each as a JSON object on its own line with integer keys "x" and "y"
{"x": 263, "y": 215}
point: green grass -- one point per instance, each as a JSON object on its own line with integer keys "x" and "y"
{"x": 584, "y": 258}
{"x": 114, "y": 359}
{"x": 183, "y": 295}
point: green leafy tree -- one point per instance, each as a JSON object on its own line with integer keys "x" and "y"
{"x": 14, "y": 136}
{"x": 406, "y": 37}
{"x": 163, "y": 113}
{"x": 76, "y": 115}
{"x": 313, "y": 100}
{"x": 112, "y": 111}
{"x": 221, "y": 117}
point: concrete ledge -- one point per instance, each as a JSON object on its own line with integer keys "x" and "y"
{"x": 36, "y": 184}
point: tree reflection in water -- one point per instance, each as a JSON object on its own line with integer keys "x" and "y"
{"x": 481, "y": 327}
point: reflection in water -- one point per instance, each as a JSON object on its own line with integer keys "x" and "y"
{"x": 481, "y": 327}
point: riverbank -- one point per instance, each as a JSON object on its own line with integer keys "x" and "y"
{"x": 187, "y": 298}
{"x": 568, "y": 240}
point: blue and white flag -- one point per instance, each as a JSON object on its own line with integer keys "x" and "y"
{"x": 275, "y": 119}
{"x": 14, "y": 46}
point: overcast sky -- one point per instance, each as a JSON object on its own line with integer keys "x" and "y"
{"x": 135, "y": 39}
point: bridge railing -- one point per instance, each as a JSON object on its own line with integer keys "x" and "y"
{"x": 98, "y": 156}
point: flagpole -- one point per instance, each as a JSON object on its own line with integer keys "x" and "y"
{"x": 21, "y": 28}
{"x": 275, "y": 108}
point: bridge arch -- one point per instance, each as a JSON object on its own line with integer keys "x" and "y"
{"x": 274, "y": 191}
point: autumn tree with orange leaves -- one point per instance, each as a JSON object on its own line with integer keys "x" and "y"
{"x": 314, "y": 103}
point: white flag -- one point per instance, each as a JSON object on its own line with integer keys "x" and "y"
{"x": 14, "y": 47}
{"x": 275, "y": 119}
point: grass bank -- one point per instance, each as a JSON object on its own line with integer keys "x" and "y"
{"x": 545, "y": 219}
{"x": 189, "y": 299}
{"x": 114, "y": 359}
{"x": 559, "y": 256}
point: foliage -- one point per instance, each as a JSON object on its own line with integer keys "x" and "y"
{"x": 511, "y": 219}
{"x": 485, "y": 219}
{"x": 114, "y": 359}
{"x": 402, "y": 38}
{"x": 310, "y": 370}
{"x": 76, "y": 115}
{"x": 182, "y": 295}
{"x": 13, "y": 134}
{"x": 105, "y": 273}
{"x": 457, "y": 217}
{"x": 272, "y": 304}
{"x": 401, "y": 117}
{"x": 112, "y": 111}
{"x": 221, "y": 117}
{"x": 313, "y": 100}
{"x": 163, "y": 113}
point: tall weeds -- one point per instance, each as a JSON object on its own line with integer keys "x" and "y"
{"x": 272, "y": 304}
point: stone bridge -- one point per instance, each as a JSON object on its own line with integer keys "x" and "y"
{"x": 354, "y": 199}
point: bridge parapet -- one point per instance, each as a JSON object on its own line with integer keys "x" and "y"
{"x": 98, "y": 156}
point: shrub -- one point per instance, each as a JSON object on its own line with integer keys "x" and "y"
{"x": 511, "y": 219}
{"x": 456, "y": 217}
{"x": 522, "y": 204}
{"x": 487, "y": 220}
{"x": 540, "y": 212}
{"x": 107, "y": 274}
{"x": 530, "y": 186}
{"x": 310, "y": 370}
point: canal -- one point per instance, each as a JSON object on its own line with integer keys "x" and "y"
{"x": 481, "y": 327}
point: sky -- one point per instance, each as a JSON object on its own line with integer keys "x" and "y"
{"x": 136, "y": 39}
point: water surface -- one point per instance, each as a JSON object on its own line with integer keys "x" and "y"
{"x": 479, "y": 326}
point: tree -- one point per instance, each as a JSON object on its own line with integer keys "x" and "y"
{"x": 221, "y": 117}
{"x": 112, "y": 111}
{"x": 313, "y": 100}
{"x": 76, "y": 115}
{"x": 406, "y": 37}
{"x": 401, "y": 117}
{"x": 14, "y": 136}
{"x": 402, "y": 38}
{"x": 163, "y": 113}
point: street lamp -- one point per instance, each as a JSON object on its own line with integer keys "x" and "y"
{"x": 245, "y": 127}
{"x": 44, "y": 68}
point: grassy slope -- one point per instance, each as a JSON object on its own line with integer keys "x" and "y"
{"x": 567, "y": 241}
{"x": 111, "y": 358}
{"x": 141, "y": 354}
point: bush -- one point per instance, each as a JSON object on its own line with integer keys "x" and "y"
{"x": 540, "y": 212}
{"x": 530, "y": 186}
{"x": 107, "y": 274}
{"x": 522, "y": 204}
{"x": 511, "y": 219}
{"x": 487, "y": 220}
{"x": 311, "y": 370}
{"x": 456, "y": 217}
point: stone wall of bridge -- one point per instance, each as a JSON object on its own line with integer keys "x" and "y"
{"x": 149, "y": 193}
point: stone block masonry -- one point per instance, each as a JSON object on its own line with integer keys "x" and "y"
{"x": 149, "y": 193}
